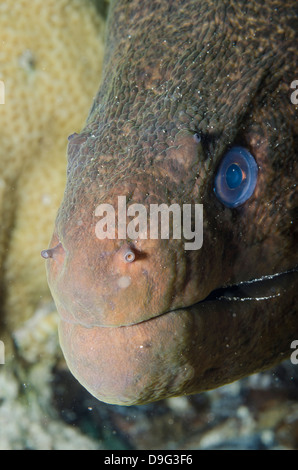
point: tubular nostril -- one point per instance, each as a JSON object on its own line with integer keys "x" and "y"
{"x": 70, "y": 137}
{"x": 51, "y": 252}
{"x": 129, "y": 256}
{"x": 46, "y": 254}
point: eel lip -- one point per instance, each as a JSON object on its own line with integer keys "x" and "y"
{"x": 264, "y": 288}
{"x": 261, "y": 289}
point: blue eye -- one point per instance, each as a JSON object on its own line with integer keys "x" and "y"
{"x": 236, "y": 178}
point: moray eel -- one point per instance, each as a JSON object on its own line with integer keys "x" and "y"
{"x": 193, "y": 108}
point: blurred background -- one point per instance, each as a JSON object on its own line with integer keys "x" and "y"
{"x": 50, "y": 64}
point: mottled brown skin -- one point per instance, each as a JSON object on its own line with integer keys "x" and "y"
{"x": 173, "y": 69}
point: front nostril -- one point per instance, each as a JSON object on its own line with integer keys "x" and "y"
{"x": 129, "y": 256}
{"x": 46, "y": 254}
{"x": 52, "y": 252}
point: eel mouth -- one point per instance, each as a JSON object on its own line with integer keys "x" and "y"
{"x": 263, "y": 289}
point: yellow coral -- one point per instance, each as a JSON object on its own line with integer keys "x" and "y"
{"x": 50, "y": 63}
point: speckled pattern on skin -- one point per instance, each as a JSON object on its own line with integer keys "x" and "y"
{"x": 173, "y": 69}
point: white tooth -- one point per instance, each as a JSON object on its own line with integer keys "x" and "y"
{"x": 241, "y": 299}
{"x": 263, "y": 278}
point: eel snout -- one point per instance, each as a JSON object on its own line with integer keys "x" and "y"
{"x": 113, "y": 333}
{"x": 113, "y": 283}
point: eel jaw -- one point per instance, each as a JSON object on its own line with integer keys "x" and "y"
{"x": 264, "y": 288}
{"x": 234, "y": 332}
{"x": 189, "y": 350}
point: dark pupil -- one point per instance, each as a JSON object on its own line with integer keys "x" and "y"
{"x": 233, "y": 176}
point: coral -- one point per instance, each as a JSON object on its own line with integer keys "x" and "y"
{"x": 50, "y": 62}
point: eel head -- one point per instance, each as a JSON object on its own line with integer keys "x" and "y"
{"x": 178, "y": 123}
